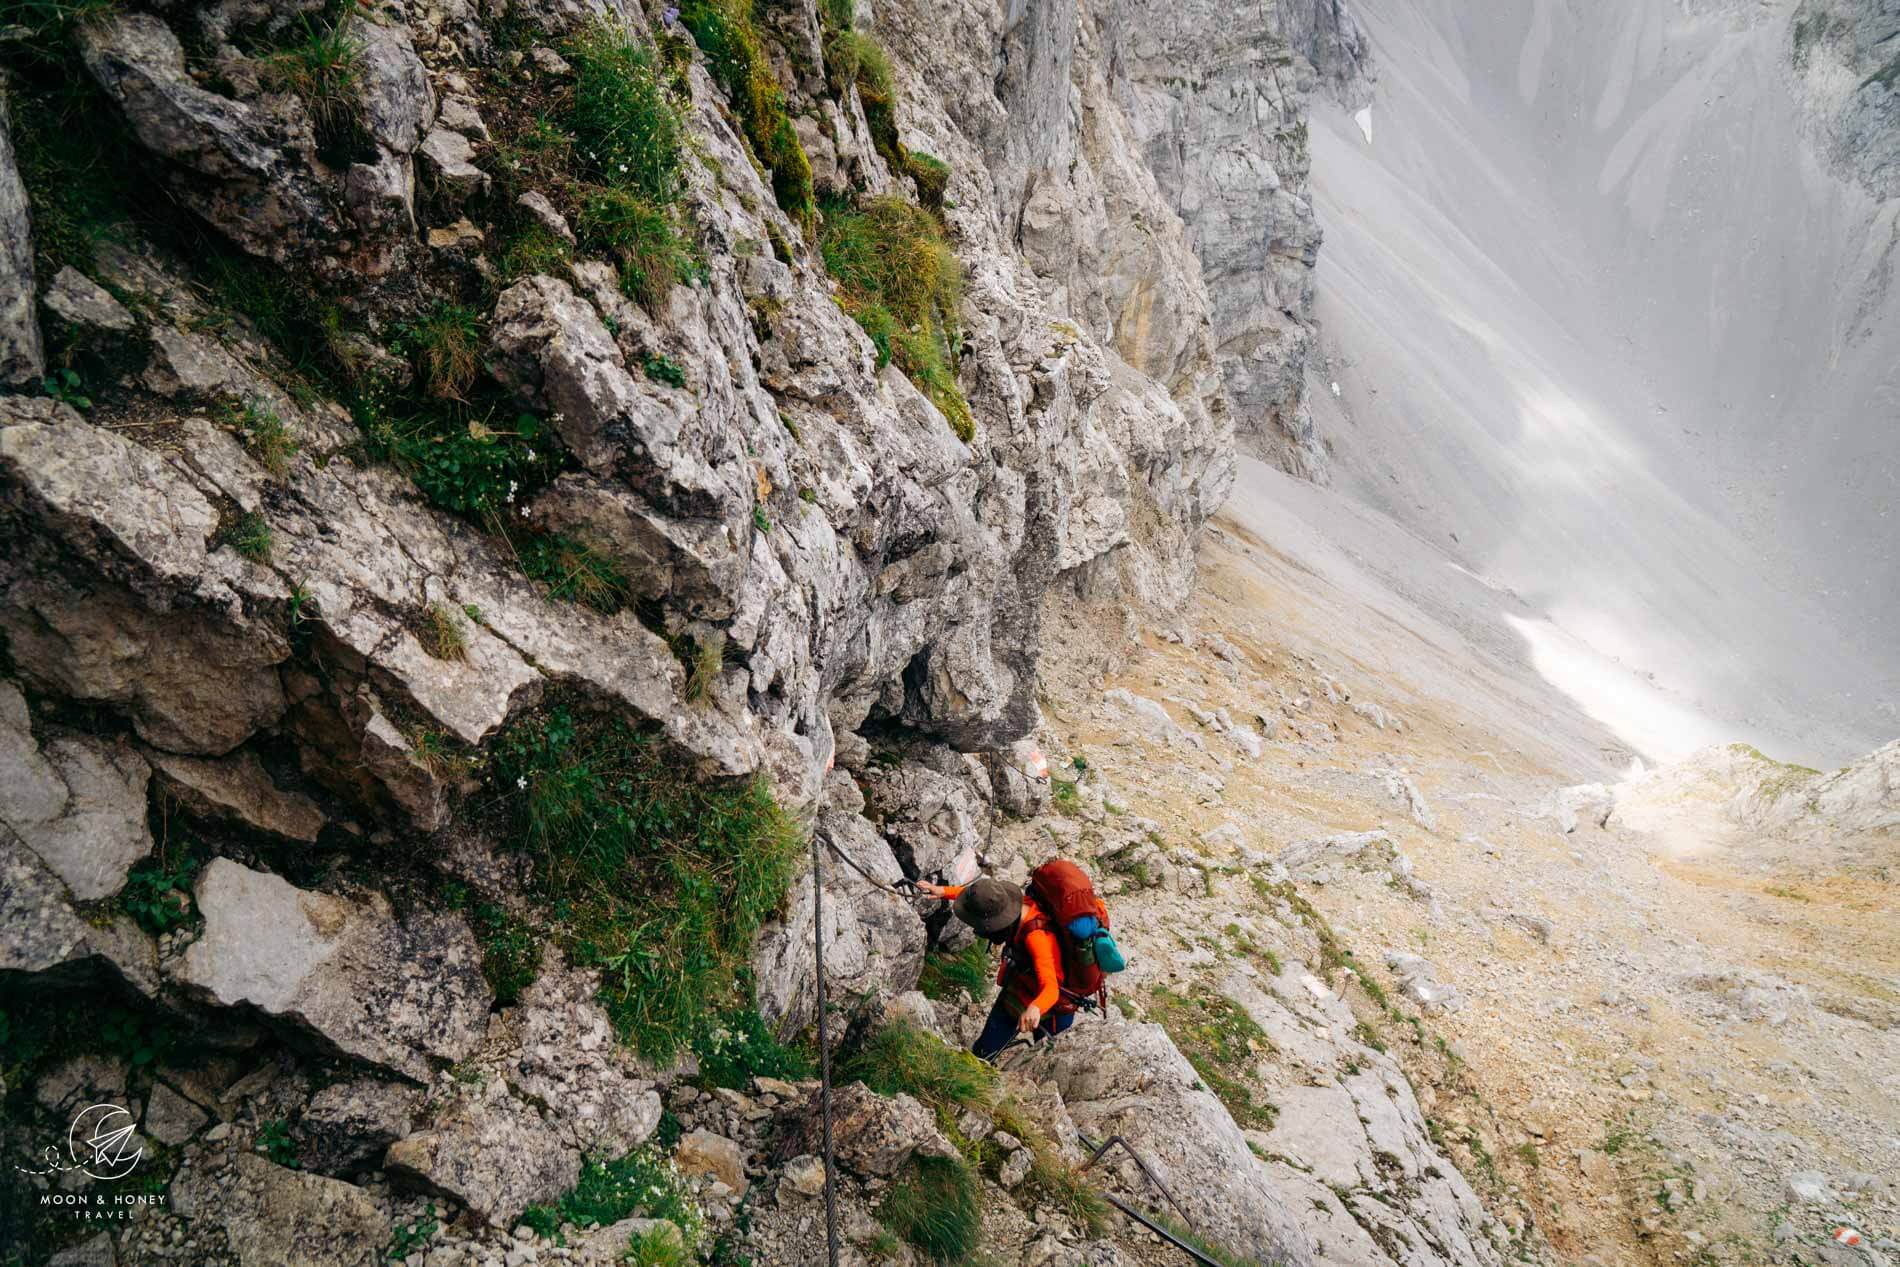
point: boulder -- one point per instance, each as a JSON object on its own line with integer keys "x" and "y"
{"x": 347, "y": 1126}
{"x": 714, "y": 1156}
{"x": 79, "y": 803}
{"x": 22, "y": 359}
{"x": 494, "y": 1153}
{"x": 449, "y": 160}
{"x": 561, "y": 1049}
{"x": 170, "y": 1118}
{"x": 241, "y": 165}
{"x": 872, "y": 1135}
{"x": 397, "y": 993}
{"x": 85, "y": 305}
{"x": 236, "y": 789}
{"x": 271, "y": 1216}
{"x": 399, "y": 106}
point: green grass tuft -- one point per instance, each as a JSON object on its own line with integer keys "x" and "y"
{"x": 902, "y": 283}
{"x": 902, "y": 1057}
{"x": 446, "y": 344}
{"x": 968, "y": 969}
{"x": 265, "y": 435}
{"x": 934, "y": 1206}
{"x": 251, "y": 537}
{"x": 629, "y": 135}
{"x": 323, "y": 66}
{"x": 656, "y": 1247}
{"x": 642, "y": 1182}
{"x": 573, "y": 571}
{"x": 536, "y": 249}
{"x": 645, "y": 239}
{"x": 740, "y": 1048}
{"x": 703, "y": 667}
{"x": 511, "y": 951}
{"x": 658, "y": 878}
{"x": 442, "y": 635}
{"x": 735, "y": 53}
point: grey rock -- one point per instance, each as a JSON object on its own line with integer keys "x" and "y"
{"x": 496, "y": 1155}
{"x": 449, "y": 161}
{"x": 170, "y": 1118}
{"x": 398, "y": 104}
{"x": 238, "y": 164}
{"x": 536, "y": 204}
{"x": 79, "y": 803}
{"x": 22, "y": 359}
{"x": 49, "y": 941}
{"x": 347, "y": 1126}
{"x": 561, "y": 1049}
{"x": 390, "y": 992}
{"x": 1200, "y": 79}
{"x": 270, "y": 1215}
{"x": 97, "y": 1252}
{"x": 85, "y": 305}
{"x": 1417, "y": 978}
{"x": 1016, "y": 1168}
{"x": 873, "y": 1135}
{"x": 1806, "y": 1187}
{"x": 236, "y": 789}
{"x": 874, "y": 941}
{"x": 1129, "y": 1079}
{"x": 713, "y": 1156}
{"x": 1567, "y": 807}
{"x": 802, "y": 1176}
{"x": 460, "y": 114}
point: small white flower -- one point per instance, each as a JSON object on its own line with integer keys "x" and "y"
{"x": 524, "y": 512}
{"x": 521, "y": 781}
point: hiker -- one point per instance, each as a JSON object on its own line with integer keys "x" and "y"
{"x": 1044, "y": 976}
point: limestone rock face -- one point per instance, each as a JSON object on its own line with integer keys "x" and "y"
{"x": 874, "y": 940}
{"x": 1129, "y": 1079}
{"x": 21, "y": 357}
{"x": 1213, "y": 100}
{"x": 390, "y": 992}
{"x": 1842, "y": 56}
{"x": 49, "y": 942}
{"x": 1330, "y": 39}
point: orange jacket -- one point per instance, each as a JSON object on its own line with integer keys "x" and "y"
{"x": 1043, "y": 952}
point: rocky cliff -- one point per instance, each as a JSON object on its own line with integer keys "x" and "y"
{"x": 483, "y": 481}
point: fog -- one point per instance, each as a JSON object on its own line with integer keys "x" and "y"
{"x": 1607, "y": 332}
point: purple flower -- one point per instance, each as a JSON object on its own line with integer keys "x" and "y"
{"x": 670, "y": 16}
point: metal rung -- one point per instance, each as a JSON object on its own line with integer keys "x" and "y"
{"x": 1135, "y": 1214}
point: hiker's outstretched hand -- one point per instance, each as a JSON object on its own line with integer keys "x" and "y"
{"x": 1031, "y": 1017}
{"x": 931, "y": 890}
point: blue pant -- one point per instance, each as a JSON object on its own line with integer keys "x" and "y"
{"x": 1001, "y": 1028}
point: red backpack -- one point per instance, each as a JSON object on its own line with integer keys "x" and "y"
{"x": 1064, "y": 894}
